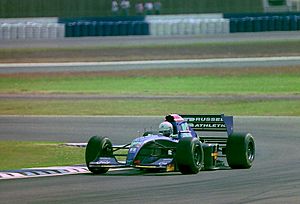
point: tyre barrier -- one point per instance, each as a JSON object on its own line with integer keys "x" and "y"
{"x": 152, "y": 26}
{"x": 263, "y": 24}
{"x": 31, "y": 31}
{"x": 189, "y": 27}
{"x": 155, "y": 28}
{"x": 119, "y": 28}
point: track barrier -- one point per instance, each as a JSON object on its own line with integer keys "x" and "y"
{"x": 161, "y": 25}
{"x": 265, "y": 23}
{"x": 189, "y": 27}
{"x": 119, "y": 28}
{"x": 31, "y": 30}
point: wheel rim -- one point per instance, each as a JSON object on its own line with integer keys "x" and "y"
{"x": 107, "y": 149}
{"x": 197, "y": 156}
{"x": 250, "y": 151}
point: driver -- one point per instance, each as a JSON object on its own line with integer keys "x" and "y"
{"x": 166, "y": 129}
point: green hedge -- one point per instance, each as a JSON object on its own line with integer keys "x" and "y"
{"x": 78, "y": 8}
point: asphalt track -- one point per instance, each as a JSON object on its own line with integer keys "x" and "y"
{"x": 150, "y": 64}
{"x": 126, "y": 41}
{"x": 274, "y": 177}
{"x": 123, "y": 41}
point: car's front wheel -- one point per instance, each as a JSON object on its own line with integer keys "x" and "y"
{"x": 189, "y": 155}
{"x": 97, "y": 147}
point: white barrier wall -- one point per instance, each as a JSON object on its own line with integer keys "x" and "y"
{"x": 190, "y": 24}
{"x": 31, "y": 30}
{"x": 189, "y": 27}
{"x": 151, "y": 18}
{"x": 26, "y": 20}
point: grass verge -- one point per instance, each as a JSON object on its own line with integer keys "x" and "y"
{"x": 17, "y": 154}
{"x": 233, "y": 83}
{"x": 158, "y": 82}
{"x": 150, "y": 107}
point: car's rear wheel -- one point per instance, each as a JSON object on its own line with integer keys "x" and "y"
{"x": 189, "y": 155}
{"x": 240, "y": 150}
{"x": 97, "y": 147}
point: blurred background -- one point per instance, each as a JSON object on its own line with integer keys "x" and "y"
{"x": 80, "y": 8}
{"x": 76, "y": 18}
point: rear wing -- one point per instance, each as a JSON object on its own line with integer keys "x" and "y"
{"x": 216, "y": 123}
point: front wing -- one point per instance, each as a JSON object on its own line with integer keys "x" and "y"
{"x": 165, "y": 164}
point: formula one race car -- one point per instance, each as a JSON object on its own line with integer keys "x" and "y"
{"x": 177, "y": 147}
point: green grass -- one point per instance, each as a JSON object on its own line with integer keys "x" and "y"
{"x": 149, "y": 107}
{"x": 232, "y": 83}
{"x": 17, "y": 154}
{"x": 198, "y": 85}
{"x": 24, "y": 154}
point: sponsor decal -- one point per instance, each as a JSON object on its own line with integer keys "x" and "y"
{"x": 163, "y": 163}
{"x": 103, "y": 162}
{"x": 136, "y": 144}
{"x": 201, "y": 125}
{"x": 205, "y": 119}
{"x": 185, "y": 127}
{"x": 132, "y": 150}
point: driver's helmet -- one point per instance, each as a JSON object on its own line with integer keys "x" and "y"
{"x": 166, "y": 129}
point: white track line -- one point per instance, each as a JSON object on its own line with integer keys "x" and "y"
{"x": 150, "y": 62}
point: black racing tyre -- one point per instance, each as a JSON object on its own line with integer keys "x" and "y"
{"x": 240, "y": 150}
{"x": 189, "y": 155}
{"x": 96, "y": 147}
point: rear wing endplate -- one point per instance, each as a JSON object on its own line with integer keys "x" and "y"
{"x": 216, "y": 123}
